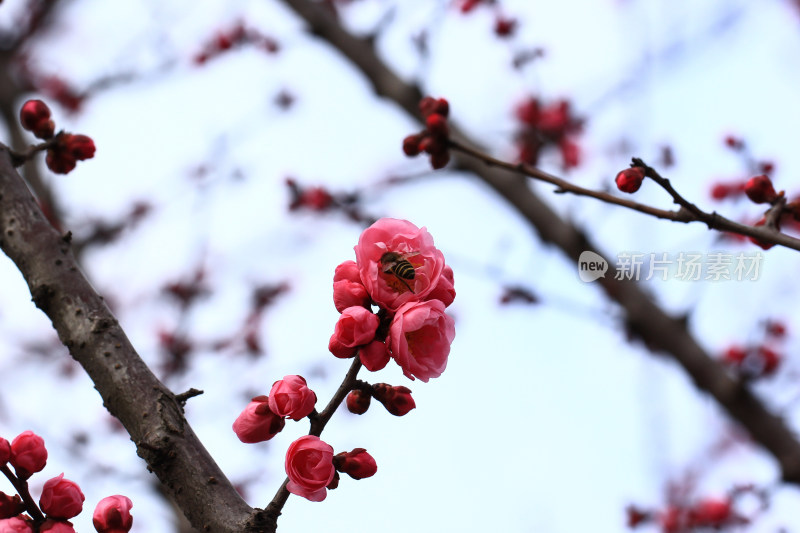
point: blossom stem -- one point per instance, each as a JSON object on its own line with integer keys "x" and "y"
{"x": 21, "y": 487}
{"x": 318, "y": 423}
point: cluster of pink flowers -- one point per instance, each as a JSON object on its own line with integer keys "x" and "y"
{"x": 61, "y": 499}
{"x": 400, "y": 271}
{"x": 402, "y": 274}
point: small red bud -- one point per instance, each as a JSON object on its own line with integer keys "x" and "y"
{"x": 59, "y": 162}
{"x": 774, "y": 328}
{"x": 316, "y": 199}
{"x": 710, "y": 512}
{"x": 437, "y": 125}
{"x": 35, "y": 117}
{"x": 734, "y": 142}
{"x": 630, "y": 179}
{"x": 10, "y": 505}
{"x": 504, "y": 27}
{"x": 734, "y": 355}
{"x": 433, "y": 145}
{"x": 397, "y": 399}
{"x": 357, "y": 464}
{"x": 429, "y": 106}
{"x": 770, "y": 360}
{"x": 358, "y": 402}
{"x": 80, "y": 146}
{"x": 720, "y": 191}
{"x": 760, "y": 190}
{"x": 411, "y": 144}
{"x": 440, "y": 160}
{"x": 636, "y": 516}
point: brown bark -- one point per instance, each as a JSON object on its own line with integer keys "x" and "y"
{"x": 146, "y": 408}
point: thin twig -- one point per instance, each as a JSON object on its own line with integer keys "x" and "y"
{"x": 688, "y": 211}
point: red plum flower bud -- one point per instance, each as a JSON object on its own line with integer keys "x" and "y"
{"x": 430, "y": 106}
{"x": 80, "y": 146}
{"x": 61, "y": 498}
{"x": 10, "y": 505}
{"x": 356, "y": 326}
{"x": 28, "y": 454}
{"x": 60, "y": 162}
{"x": 290, "y": 397}
{"x": 35, "y": 117}
{"x": 710, "y": 512}
{"x": 358, "y": 402}
{"x": 349, "y": 294}
{"x": 348, "y": 291}
{"x": 257, "y": 422}
{"x": 357, "y": 464}
{"x": 440, "y": 160}
{"x": 397, "y": 400}
{"x": 760, "y": 190}
{"x": 437, "y": 125}
{"x": 770, "y": 360}
{"x": 411, "y": 144}
{"x": 630, "y": 179}
{"x": 504, "y": 27}
{"x": 113, "y": 515}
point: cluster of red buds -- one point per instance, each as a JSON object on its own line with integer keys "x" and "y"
{"x": 711, "y": 513}
{"x": 64, "y": 150}
{"x": 312, "y": 198}
{"x": 726, "y": 190}
{"x": 60, "y": 500}
{"x": 545, "y": 125}
{"x": 434, "y": 139}
{"x": 468, "y": 5}
{"x": 318, "y": 199}
{"x": 396, "y": 399}
{"x": 738, "y": 188}
{"x": 760, "y": 359}
{"x": 503, "y": 26}
{"x": 236, "y": 36}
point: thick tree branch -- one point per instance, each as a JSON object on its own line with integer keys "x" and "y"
{"x": 658, "y": 330}
{"x": 149, "y": 411}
